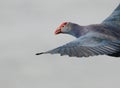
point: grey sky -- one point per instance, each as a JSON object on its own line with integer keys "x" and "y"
{"x": 27, "y": 27}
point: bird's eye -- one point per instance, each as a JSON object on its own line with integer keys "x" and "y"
{"x": 64, "y": 23}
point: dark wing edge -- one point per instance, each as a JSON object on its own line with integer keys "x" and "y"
{"x": 85, "y": 51}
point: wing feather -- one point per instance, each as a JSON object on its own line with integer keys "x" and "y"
{"x": 114, "y": 18}
{"x": 85, "y": 51}
{"x": 87, "y": 46}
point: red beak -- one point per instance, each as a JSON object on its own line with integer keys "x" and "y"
{"x": 58, "y": 31}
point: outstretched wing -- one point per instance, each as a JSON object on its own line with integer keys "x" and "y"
{"x": 84, "y": 47}
{"x": 114, "y": 18}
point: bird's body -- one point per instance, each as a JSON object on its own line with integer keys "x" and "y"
{"x": 95, "y": 39}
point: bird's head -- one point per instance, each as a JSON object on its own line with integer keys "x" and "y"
{"x": 69, "y": 28}
{"x": 63, "y": 28}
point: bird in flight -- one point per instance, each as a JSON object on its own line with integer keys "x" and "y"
{"x": 91, "y": 40}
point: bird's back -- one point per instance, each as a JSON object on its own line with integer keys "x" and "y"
{"x": 102, "y": 30}
{"x": 110, "y": 27}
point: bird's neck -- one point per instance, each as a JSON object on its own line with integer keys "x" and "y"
{"x": 78, "y": 31}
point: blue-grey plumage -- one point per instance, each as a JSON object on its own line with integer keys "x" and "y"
{"x": 91, "y": 40}
{"x": 114, "y": 19}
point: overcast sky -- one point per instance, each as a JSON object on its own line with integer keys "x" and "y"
{"x": 27, "y": 27}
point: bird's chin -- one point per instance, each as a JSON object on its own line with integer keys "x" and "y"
{"x": 58, "y": 31}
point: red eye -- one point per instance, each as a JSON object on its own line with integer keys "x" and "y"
{"x": 63, "y": 24}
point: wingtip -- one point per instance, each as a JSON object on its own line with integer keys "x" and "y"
{"x": 39, "y": 53}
